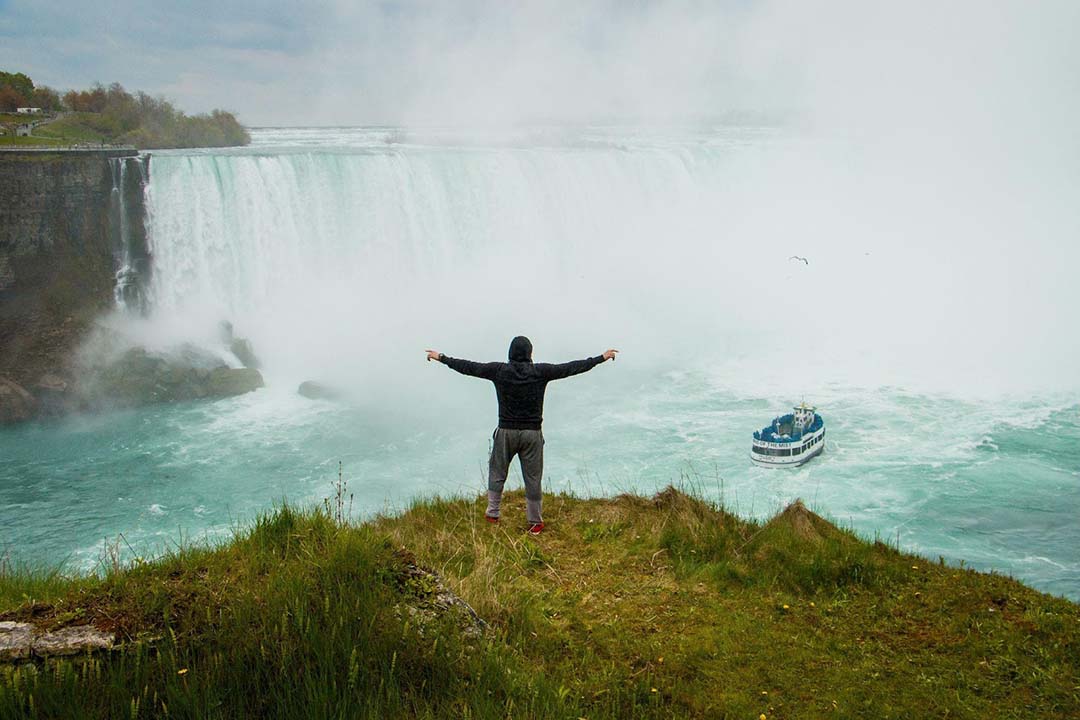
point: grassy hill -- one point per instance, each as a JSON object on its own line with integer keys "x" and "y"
{"x": 77, "y": 128}
{"x": 89, "y": 128}
{"x": 625, "y": 607}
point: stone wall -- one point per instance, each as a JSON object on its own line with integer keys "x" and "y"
{"x": 60, "y": 250}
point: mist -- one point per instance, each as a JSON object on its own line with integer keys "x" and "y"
{"x": 935, "y": 190}
{"x": 594, "y": 190}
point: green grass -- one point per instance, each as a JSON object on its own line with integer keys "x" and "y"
{"x": 173, "y": 130}
{"x": 75, "y": 128}
{"x": 71, "y": 129}
{"x": 625, "y": 607}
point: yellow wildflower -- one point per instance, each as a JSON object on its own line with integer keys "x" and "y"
{"x": 182, "y": 671}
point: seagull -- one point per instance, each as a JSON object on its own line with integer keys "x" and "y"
{"x": 796, "y": 257}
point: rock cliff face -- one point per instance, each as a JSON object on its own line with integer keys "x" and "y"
{"x": 70, "y": 221}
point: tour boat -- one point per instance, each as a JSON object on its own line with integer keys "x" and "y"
{"x": 790, "y": 440}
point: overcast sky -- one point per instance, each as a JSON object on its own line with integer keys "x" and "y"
{"x": 497, "y": 62}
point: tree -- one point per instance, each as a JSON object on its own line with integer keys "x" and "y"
{"x": 46, "y": 98}
{"x": 92, "y": 100}
{"x": 10, "y": 99}
{"x": 18, "y": 82}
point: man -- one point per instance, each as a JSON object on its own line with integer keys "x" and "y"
{"x": 519, "y": 385}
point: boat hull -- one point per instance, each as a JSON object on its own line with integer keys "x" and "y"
{"x": 792, "y": 461}
{"x": 775, "y": 453}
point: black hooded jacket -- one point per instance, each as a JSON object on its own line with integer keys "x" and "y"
{"x": 520, "y": 383}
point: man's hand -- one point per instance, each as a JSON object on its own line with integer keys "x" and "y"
{"x": 433, "y": 355}
{"x": 610, "y": 354}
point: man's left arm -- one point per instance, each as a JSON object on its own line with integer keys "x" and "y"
{"x": 574, "y": 367}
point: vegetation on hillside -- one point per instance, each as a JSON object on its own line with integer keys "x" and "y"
{"x": 113, "y": 115}
{"x": 626, "y": 607}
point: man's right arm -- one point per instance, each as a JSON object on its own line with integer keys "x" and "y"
{"x": 486, "y": 371}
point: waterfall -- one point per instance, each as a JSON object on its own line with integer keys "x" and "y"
{"x": 320, "y": 256}
{"x": 128, "y": 229}
{"x": 339, "y": 251}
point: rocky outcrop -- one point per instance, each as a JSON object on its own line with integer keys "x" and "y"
{"x": 238, "y": 346}
{"x": 244, "y": 352}
{"x": 15, "y": 640}
{"x": 427, "y": 599}
{"x": 62, "y": 237}
{"x": 139, "y": 377}
{"x": 53, "y": 394}
{"x": 227, "y": 382}
{"x": 20, "y": 641}
{"x": 73, "y": 247}
{"x": 317, "y": 391}
{"x": 16, "y": 404}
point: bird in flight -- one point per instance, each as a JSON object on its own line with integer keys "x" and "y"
{"x": 796, "y": 257}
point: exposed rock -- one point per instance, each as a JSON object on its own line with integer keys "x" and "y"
{"x": 317, "y": 391}
{"x": 226, "y": 382}
{"x": 15, "y": 640}
{"x": 54, "y": 395}
{"x": 139, "y": 377}
{"x": 240, "y": 347}
{"x": 57, "y": 254}
{"x": 429, "y": 598}
{"x": 72, "y": 641}
{"x": 244, "y": 352}
{"x": 7, "y": 273}
{"x": 225, "y": 332}
{"x": 51, "y": 383}
{"x": 19, "y": 641}
{"x": 16, "y": 404}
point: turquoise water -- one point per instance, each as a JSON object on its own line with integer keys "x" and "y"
{"x": 996, "y": 487}
{"x": 953, "y": 424}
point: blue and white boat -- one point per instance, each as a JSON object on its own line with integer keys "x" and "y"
{"x": 790, "y": 440}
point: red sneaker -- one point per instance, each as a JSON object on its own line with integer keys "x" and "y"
{"x": 536, "y": 528}
{"x": 492, "y": 520}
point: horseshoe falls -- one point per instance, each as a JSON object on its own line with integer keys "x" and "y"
{"x": 926, "y": 324}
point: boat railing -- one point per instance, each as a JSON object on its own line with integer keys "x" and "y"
{"x": 769, "y": 434}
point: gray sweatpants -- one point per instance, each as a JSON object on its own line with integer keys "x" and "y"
{"x": 528, "y": 445}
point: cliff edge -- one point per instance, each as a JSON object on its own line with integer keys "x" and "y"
{"x": 628, "y": 607}
{"x": 68, "y": 222}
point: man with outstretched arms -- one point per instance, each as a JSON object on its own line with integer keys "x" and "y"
{"x": 519, "y": 385}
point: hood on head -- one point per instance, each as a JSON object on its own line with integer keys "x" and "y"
{"x": 520, "y": 349}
